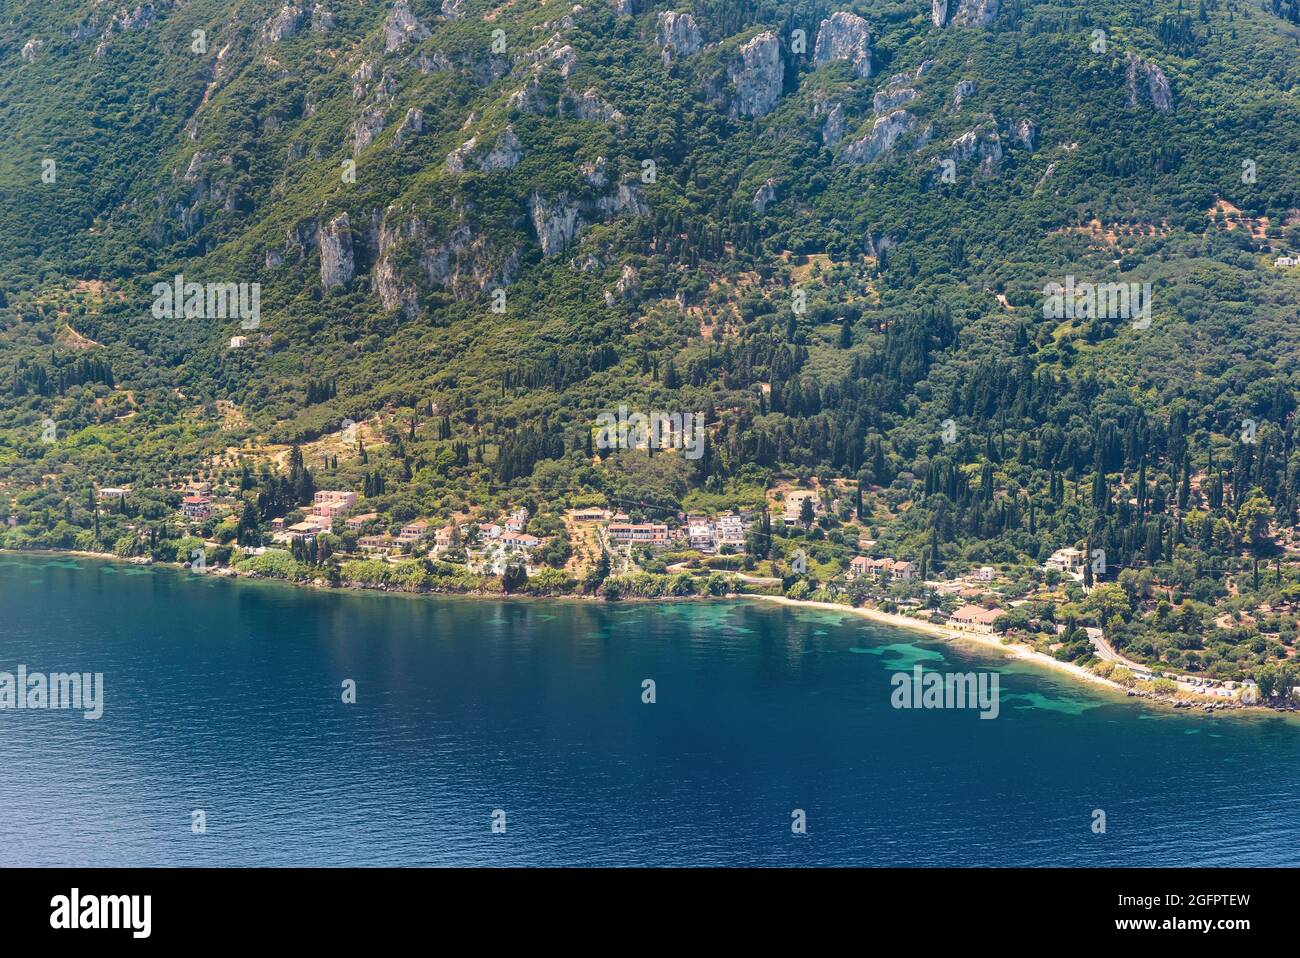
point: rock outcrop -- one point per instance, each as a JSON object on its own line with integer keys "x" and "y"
{"x": 833, "y": 125}
{"x": 31, "y": 48}
{"x": 844, "y": 36}
{"x": 556, "y": 222}
{"x": 757, "y": 76}
{"x": 366, "y": 127}
{"x": 560, "y": 220}
{"x": 1025, "y": 133}
{"x": 960, "y": 91}
{"x": 974, "y": 13}
{"x": 336, "y": 262}
{"x": 284, "y": 24}
{"x": 884, "y": 134}
{"x": 677, "y": 33}
{"x": 402, "y": 27}
{"x": 412, "y": 125}
{"x": 505, "y": 153}
{"x": 967, "y": 13}
{"x": 458, "y": 260}
{"x": 590, "y": 105}
{"x": 982, "y": 143}
{"x": 891, "y": 98}
{"x": 124, "y": 22}
{"x": 765, "y": 195}
{"x": 1156, "y": 85}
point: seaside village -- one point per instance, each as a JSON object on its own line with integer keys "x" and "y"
{"x": 720, "y": 553}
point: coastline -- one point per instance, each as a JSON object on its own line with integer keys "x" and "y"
{"x": 1014, "y": 650}
{"x": 1020, "y": 652}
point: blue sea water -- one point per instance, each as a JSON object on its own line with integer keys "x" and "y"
{"x": 226, "y": 696}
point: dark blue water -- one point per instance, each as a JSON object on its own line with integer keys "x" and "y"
{"x": 226, "y": 697}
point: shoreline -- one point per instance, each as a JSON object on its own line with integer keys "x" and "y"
{"x": 1020, "y": 652}
{"x": 1013, "y": 650}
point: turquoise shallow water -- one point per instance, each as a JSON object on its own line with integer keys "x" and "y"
{"x": 225, "y": 696}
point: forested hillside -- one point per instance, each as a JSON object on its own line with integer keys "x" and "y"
{"x": 832, "y": 228}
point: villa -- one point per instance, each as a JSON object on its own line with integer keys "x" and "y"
{"x": 1068, "y": 561}
{"x": 974, "y": 618}
{"x": 196, "y": 507}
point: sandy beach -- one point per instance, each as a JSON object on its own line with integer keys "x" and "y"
{"x": 1015, "y": 650}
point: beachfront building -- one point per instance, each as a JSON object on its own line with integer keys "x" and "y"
{"x": 305, "y": 531}
{"x": 730, "y": 529}
{"x": 442, "y": 539}
{"x": 652, "y": 534}
{"x": 974, "y": 618}
{"x": 702, "y": 534}
{"x": 859, "y": 568}
{"x": 380, "y": 543}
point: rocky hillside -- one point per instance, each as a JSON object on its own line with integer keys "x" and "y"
{"x": 828, "y": 225}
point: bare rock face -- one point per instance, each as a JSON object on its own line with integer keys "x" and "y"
{"x": 366, "y": 127}
{"x": 939, "y": 12}
{"x": 833, "y": 125}
{"x": 593, "y": 173}
{"x": 412, "y": 125}
{"x": 31, "y": 48}
{"x": 844, "y": 36}
{"x": 507, "y": 152}
{"x": 284, "y": 24}
{"x": 627, "y": 8}
{"x": 975, "y": 13}
{"x": 401, "y": 27}
{"x": 124, "y": 22}
{"x": 558, "y": 222}
{"x": 336, "y": 263}
{"x": 629, "y": 281}
{"x": 554, "y": 53}
{"x": 1157, "y": 84}
{"x": 677, "y": 33}
{"x": 765, "y": 195}
{"x": 757, "y": 76}
{"x": 322, "y": 21}
{"x": 590, "y": 105}
{"x": 960, "y": 91}
{"x": 457, "y": 260}
{"x": 983, "y": 143}
{"x": 892, "y": 98}
{"x": 451, "y": 9}
{"x": 1025, "y": 133}
{"x": 884, "y": 134}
